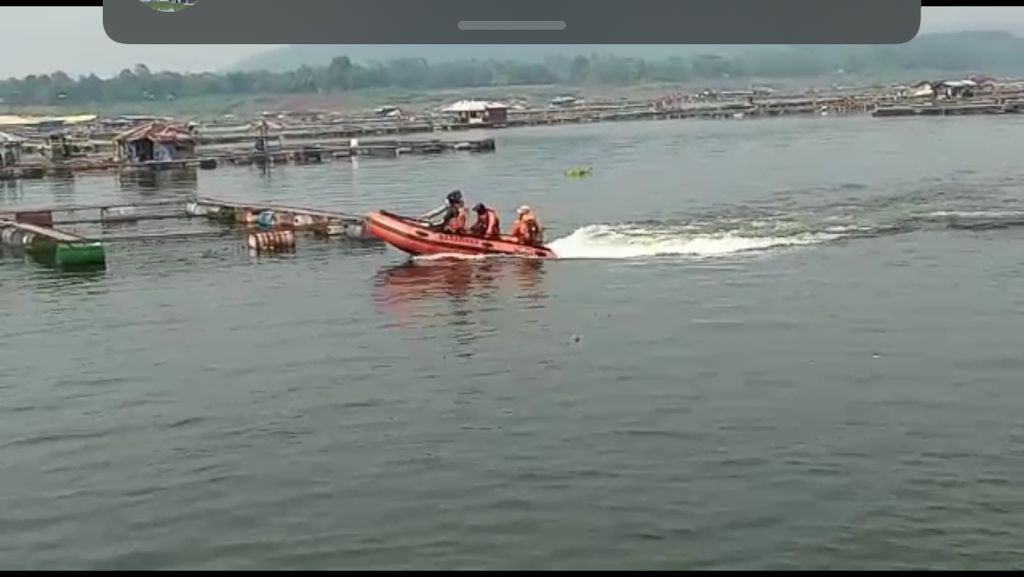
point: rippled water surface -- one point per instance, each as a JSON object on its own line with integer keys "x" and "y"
{"x": 769, "y": 344}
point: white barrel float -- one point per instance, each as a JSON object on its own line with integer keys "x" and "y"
{"x": 195, "y": 209}
{"x": 275, "y": 240}
{"x": 14, "y": 237}
{"x": 115, "y": 213}
{"x": 302, "y": 220}
{"x": 356, "y": 231}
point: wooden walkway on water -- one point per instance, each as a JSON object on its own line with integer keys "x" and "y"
{"x": 950, "y": 108}
{"x": 267, "y": 226}
{"x": 268, "y": 215}
{"x": 319, "y": 140}
{"x": 311, "y": 153}
{"x": 326, "y": 222}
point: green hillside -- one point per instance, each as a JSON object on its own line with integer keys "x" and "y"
{"x": 999, "y": 52}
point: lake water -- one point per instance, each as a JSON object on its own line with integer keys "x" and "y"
{"x": 771, "y": 344}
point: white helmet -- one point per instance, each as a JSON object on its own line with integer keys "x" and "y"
{"x": 523, "y": 209}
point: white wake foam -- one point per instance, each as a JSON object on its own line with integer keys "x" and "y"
{"x": 993, "y": 214}
{"x": 625, "y": 242}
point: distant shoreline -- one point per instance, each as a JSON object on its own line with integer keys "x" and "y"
{"x": 346, "y": 79}
{"x": 417, "y": 101}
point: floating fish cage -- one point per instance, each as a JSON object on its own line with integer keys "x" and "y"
{"x": 269, "y": 216}
{"x": 265, "y": 227}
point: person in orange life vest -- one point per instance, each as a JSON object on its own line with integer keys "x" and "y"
{"x": 527, "y": 229}
{"x": 456, "y": 224}
{"x": 487, "y": 224}
{"x": 453, "y": 214}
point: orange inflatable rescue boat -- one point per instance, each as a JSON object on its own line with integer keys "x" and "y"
{"x": 416, "y": 238}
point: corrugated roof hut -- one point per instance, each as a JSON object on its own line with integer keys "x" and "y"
{"x": 157, "y": 141}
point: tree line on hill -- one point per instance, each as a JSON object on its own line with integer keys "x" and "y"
{"x": 979, "y": 52}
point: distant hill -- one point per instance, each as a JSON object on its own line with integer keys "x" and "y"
{"x": 931, "y": 57}
{"x": 995, "y": 52}
{"x": 292, "y": 57}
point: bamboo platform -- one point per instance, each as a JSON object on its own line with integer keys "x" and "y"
{"x": 267, "y": 226}
{"x": 950, "y": 109}
{"x": 275, "y": 216}
{"x": 305, "y": 154}
{"x": 265, "y": 215}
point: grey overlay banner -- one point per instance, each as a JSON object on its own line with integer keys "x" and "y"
{"x": 517, "y": 22}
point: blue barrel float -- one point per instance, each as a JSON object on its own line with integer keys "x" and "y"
{"x": 266, "y": 219}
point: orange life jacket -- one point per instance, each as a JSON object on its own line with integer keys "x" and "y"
{"x": 527, "y": 229}
{"x": 457, "y": 223}
{"x": 487, "y": 224}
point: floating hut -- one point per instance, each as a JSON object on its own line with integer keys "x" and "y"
{"x": 478, "y": 113}
{"x": 956, "y": 89}
{"x": 943, "y": 89}
{"x": 10, "y": 149}
{"x": 155, "y": 141}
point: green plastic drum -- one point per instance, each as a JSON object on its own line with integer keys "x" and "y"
{"x": 80, "y": 254}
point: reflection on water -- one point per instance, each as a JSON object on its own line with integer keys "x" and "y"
{"x": 62, "y": 186}
{"x": 148, "y": 181}
{"x": 66, "y": 277}
{"x": 458, "y": 279}
{"x": 43, "y": 275}
{"x": 528, "y": 273}
{"x": 42, "y": 266}
{"x": 12, "y": 191}
{"x": 458, "y": 293}
{"x": 264, "y": 166}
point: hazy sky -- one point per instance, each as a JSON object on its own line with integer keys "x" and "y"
{"x": 72, "y": 39}
{"x": 37, "y": 40}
